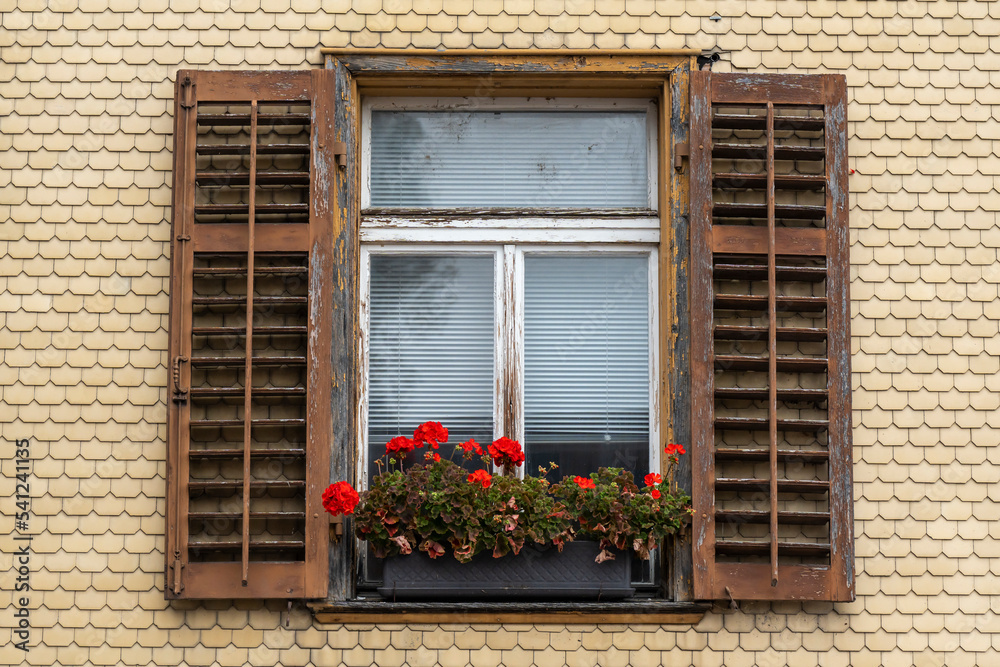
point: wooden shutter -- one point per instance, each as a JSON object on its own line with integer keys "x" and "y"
{"x": 771, "y": 418}
{"x": 249, "y": 412}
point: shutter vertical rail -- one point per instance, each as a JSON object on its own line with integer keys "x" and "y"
{"x": 248, "y": 349}
{"x": 772, "y": 343}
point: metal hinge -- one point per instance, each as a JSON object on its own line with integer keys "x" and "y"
{"x": 187, "y": 93}
{"x": 681, "y": 149}
{"x": 176, "y": 567}
{"x": 180, "y": 393}
{"x": 340, "y": 153}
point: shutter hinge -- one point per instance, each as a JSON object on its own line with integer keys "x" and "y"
{"x": 180, "y": 393}
{"x": 336, "y": 528}
{"x": 183, "y": 237}
{"x": 187, "y": 93}
{"x": 340, "y": 153}
{"x": 681, "y": 149}
{"x": 177, "y": 566}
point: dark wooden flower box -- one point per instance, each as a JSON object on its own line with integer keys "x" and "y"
{"x": 533, "y": 574}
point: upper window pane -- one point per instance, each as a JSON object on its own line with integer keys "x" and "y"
{"x": 508, "y": 158}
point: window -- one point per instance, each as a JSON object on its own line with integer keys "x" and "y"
{"x": 539, "y": 326}
{"x": 286, "y": 219}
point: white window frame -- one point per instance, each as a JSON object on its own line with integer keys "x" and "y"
{"x": 508, "y": 313}
{"x": 508, "y": 239}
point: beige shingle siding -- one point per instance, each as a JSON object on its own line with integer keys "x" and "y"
{"x": 85, "y": 141}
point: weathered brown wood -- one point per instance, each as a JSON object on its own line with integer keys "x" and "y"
{"x": 777, "y": 364}
{"x": 244, "y": 149}
{"x": 749, "y": 581}
{"x": 817, "y": 105}
{"x": 735, "y": 181}
{"x": 225, "y": 238}
{"x": 839, "y": 344}
{"x": 259, "y": 362}
{"x": 558, "y": 62}
{"x": 336, "y": 278}
{"x": 758, "y": 454}
{"x": 810, "y": 304}
{"x": 634, "y": 612}
{"x": 751, "y": 122}
{"x": 754, "y": 152}
{"x": 747, "y": 271}
{"x": 230, "y": 178}
{"x": 181, "y": 259}
{"x": 326, "y": 294}
{"x": 784, "y": 395}
{"x": 236, "y": 453}
{"x": 755, "y": 516}
{"x": 761, "y": 424}
{"x": 675, "y": 326}
{"x": 776, "y": 485}
{"x": 794, "y": 90}
{"x": 728, "y": 332}
{"x": 753, "y": 240}
{"x": 255, "y": 391}
{"x": 266, "y": 580}
{"x": 787, "y": 211}
{"x": 768, "y": 549}
{"x": 702, "y": 343}
{"x": 222, "y": 120}
{"x": 248, "y": 348}
{"x": 251, "y": 232}
{"x": 234, "y": 86}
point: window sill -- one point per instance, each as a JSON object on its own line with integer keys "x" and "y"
{"x": 634, "y": 612}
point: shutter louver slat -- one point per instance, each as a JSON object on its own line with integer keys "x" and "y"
{"x": 771, "y": 417}
{"x": 243, "y": 463}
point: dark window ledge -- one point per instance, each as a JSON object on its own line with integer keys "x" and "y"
{"x": 633, "y": 612}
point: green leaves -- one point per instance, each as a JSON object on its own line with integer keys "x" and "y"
{"x": 434, "y": 507}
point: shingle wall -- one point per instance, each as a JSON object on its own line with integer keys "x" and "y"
{"x": 85, "y": 158}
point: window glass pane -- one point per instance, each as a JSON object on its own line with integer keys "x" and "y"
{"x": 586, "y": 362}
{"x": 430, "y": 347}
{"x": 509, "y": 158}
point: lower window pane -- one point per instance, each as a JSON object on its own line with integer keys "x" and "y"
{"x": 431, "y": 346}
{"x": 586, "y": 362}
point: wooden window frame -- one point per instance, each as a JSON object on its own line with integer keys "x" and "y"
{"x": 380, "y": 74}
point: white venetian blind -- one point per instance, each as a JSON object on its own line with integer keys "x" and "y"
{"x": 431, "y": 345}
{"x": 586, "y": 361}
{"x": 509, "y": 158}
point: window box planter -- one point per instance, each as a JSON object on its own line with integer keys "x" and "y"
{"x": 532, "y": 574}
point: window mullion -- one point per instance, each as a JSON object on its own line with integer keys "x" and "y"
{"x": 510, "y": 345}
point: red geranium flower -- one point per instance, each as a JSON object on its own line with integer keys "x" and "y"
{"x": 674, "y": 450}
{"x": 655, "y": 493}
{"x": 584, "y": 482}
{"x": 481, "y": 477}
{"x": 506, "y": 452}
{"x": 340, "y": 498}
{"x": 652, "y": 479}
{"x": 401, "y": 445}
{"x": 432, "y": 433}
{"x": 471, "y": 446}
